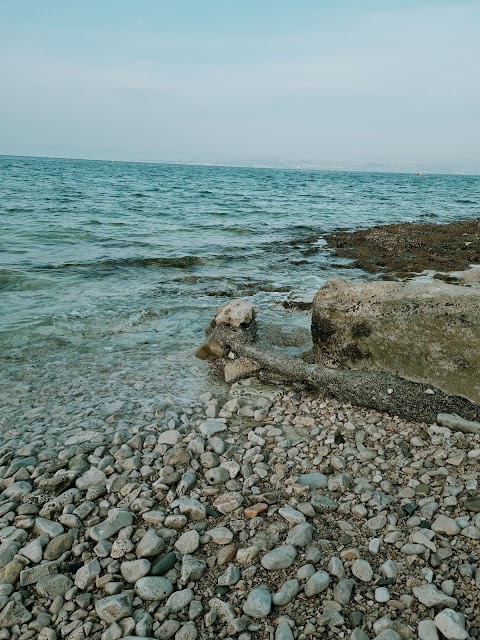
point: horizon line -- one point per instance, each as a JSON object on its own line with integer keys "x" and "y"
{"x": 252, "y": 165}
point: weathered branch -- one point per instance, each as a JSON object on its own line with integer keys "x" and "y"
{"x": 372, "y": 389}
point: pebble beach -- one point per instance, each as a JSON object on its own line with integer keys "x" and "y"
{"x": 265, "y": 513}
{"x": 142, "y": 497}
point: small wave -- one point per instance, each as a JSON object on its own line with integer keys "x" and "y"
{"x": 13, "y": 209}
{"x": 465, "y": 201}
{"x": 15, "y": 281}
{"x": 180, "y": 262}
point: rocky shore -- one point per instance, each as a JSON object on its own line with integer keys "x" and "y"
{"x": 270, "y": 513}
{"x": 398, "y": 251}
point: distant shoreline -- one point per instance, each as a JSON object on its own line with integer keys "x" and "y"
{"x": 418, "y": 170}
{"x": 403, "y": 250}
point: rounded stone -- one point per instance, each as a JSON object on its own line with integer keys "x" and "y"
{"x": 286, "y": 593}
{"x": 163, "y": 564}
{"x": 362, "y": 570}
{"x": 188, "y": 542}
{"x": 17, "y": 489}
{"x": 317, "y": 583}
{"x": 133, "y": 570}
{"x": 451, "y": 624}
{"x": 150, "y": 545}
{"x": 445, "y": 525}
{"x": 473, "y": 504}
{"x": 279, "y": 558}
{"x": 382, "y": 594}
{"x": 57, "y": 546}
{"x": 178, "y": 600}
{"x": 153, "y": 588}
{"x": 258, "y": 603}
{"x": 388, "y": 634}
{"x": 300, "y": 535}
{"x": 220, "y": 535}
{"x": 217, "y": 476}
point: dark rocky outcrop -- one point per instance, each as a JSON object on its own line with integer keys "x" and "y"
{"x": 404, "y": 249}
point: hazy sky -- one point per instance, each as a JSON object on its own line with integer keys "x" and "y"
{"x": 209, "y": 80}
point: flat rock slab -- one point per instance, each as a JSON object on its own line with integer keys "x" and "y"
{"x": 425, "y": 332}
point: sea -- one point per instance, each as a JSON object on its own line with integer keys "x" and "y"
{"x": 109, "y": 271}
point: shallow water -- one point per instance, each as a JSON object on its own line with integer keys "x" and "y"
{"x": 110, "y": 270}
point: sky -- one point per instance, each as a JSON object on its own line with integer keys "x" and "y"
{"x": 236, "y": 81}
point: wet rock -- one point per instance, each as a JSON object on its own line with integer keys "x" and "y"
{"x": 163, "y": 564}
{"x": 473, "y": 504}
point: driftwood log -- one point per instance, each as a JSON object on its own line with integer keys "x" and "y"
{"x": 366, "y": 388}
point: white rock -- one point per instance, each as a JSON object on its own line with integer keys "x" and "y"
{"x": 170, "y": 437}
{"x": 236, "y": 313}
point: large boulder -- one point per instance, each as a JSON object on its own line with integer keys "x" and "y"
{"x": 426, "y": 332}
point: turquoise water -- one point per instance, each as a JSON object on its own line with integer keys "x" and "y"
{"x": 112, "y": 268}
